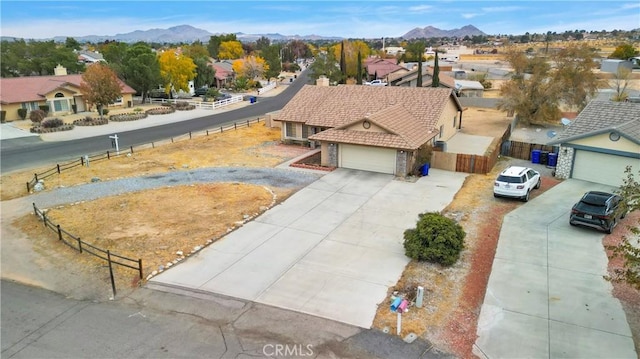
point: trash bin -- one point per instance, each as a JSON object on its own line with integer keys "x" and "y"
{"x": 290, "y": 80}
{"x": 535, "y": 156}
{"x": 544, "y": 156}
{"x": 424, "y": 169}
{"x": 252, "y": 99}
{"x": 552, "y": 160}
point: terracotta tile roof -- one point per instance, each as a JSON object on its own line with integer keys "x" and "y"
{"x": 334, "y": 106}
{"x": 382, "y": 68}
{"x": 404, "y": 131}
{"x": 35, "y": 88}
{"x": 445, "y": 80}
{"x": 601, "y": 117}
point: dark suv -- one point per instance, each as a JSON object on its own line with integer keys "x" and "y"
{"x": 600, "y": 210}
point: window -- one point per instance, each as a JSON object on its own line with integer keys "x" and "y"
{"x": 441, "y": 131}
{"x": 61, "y": 105}
{"x": 118, "y": 101}
{"x": 305, "y": 131}
{"x": 31, "y": 106}
{"x": 454, "y": 121}
{"x": 290, "y": 129}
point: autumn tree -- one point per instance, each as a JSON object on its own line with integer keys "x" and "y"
{"x": 351, "y": 49}
{"x": 624, "y": 52}
{"x": 620, "y": 83}
{"x": 216, "y": 40}
{"x": 536, "y": 91}
{"x": 141, "y": 69}
{"x": 230, "y": 50}
{"x": 176, "y": 70}
{"x": 250, "y": 67}
{"x": 100, "y": 86}
{"x": 205, "y": 73}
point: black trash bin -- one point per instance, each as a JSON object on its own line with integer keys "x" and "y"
{"x": 544, "y": 155}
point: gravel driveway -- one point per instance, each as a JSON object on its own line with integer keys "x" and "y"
{"x": 260, "y": 176}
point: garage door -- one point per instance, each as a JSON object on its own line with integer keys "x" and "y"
{"x": 374, "y": 159}
{"x": 601, "y": 168}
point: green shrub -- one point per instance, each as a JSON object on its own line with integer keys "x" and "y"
{"x": 45, "y": 109}
{"x": 137, "y": 109}
{"x": 105, "y": 111}
{"x": 3, "y": 116}
{"x": 436, "y": 238}
{"x": 52, "y": 123}
{"x": 36, "y": 116}
{"x": 22, "y": 113}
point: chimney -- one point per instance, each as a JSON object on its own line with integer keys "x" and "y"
{"x": 60, "y": 70}
{"x": 322, "y": 81}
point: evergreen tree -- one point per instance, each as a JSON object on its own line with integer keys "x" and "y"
{"x": 419, "y": 80}
{"x": 436, "y": 73}
{"x": 343, "y": 64}
{"x": 359, "y": 72}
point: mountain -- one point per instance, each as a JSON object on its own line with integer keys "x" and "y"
{"x": 431, "y": 31}
{"x": 184, "y": 34}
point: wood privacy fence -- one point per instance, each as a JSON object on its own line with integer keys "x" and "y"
{"x": 522, "y": 150}
{"x": 460, "y": 162}
{"x": 85, "y": 160}
{"x": 82, "y": 246}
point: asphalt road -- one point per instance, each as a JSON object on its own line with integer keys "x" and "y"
{"x": 22, "y": 153}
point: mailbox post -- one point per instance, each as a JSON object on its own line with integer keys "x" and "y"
{"x": 114, "y": 143}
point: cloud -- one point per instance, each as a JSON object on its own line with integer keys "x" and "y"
{"x": 630, "y": 6}
{"x": 501, "y": 9}
{"x": 469, "y": 16}
{"x": 421, "y": 8}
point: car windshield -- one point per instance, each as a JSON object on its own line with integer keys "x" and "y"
{"x": 510, "y": 179}
{"x": 591, "y": 207}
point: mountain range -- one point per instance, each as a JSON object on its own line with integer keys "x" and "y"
{"x": 189, "y": 34}
{"x": 430, "y": 31}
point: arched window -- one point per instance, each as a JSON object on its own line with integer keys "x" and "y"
{"x": 59, "y": 94}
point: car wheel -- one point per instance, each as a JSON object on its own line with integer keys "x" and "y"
{"x": 526, "y": 197}
{"x": 571, "y": 223}
{"x": 611, "y": 226}
{"x": 495, "y": 195}
{"x": 538, "y": 184}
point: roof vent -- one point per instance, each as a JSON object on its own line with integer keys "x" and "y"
{"x": 60, "y": 70}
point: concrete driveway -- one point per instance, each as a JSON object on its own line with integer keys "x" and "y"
{"x": 546, "y": 296}
{"x": 331, "y": 250}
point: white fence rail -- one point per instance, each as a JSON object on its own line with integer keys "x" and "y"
{"x": 201, "y": 104}
{"x": 267, "y": 88}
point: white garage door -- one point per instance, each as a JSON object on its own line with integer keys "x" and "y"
{"x": 601, "y": 168}
{"x": 374, "y": 159}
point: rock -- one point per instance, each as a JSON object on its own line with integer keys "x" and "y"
{"x": 161, "y": 268}
{"x": 197, "y": 248}
{"x": 185, "y": 166}
{"x": 129, "y": 154}
{"x": 95, "y": 179}
{"x": 410, "y": 338}
{"x": 179, "y": 253}
{"x": 229, "y": 230}
{"x": 38, "y": 187}
{"x": 238, "y": 223}
{"x": 263, "y": 208}
{"x": 209, "y": 241}
{"x": 245, "y": 216}
{"x": 149, "y": 277}
{"x": 154, "y": 272}
{"x": 169, "y": 264}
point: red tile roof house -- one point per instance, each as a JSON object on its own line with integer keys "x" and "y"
{"x": 370, "y": 128}
{"x": 59, "y": 92}
{"x": 382, "y": 68}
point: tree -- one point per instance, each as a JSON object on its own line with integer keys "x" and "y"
{"x": 574, "y": 73}
{"x": 215, "y": 41}
{"x": 435, "y": 82}
{"x": 325, "y": 64}
{"x": 620, "y": 82}
{"x": 114, "y": 53}
{"x": 142, "y": 69}
{"x": 436, "y": 238}
{"x": 271, "y": 55}
{"x": 230, "y": 50}
{"x": 359, "y": 72}
{"x": 250, "y": 67}
{"x": 343, "y": 63}
{"x": 419, "y": 79}
{"x": 72, "y": 43}
{"x": 629, "y": 247}
{"x": 176, "y": 70}
{"x": 100, "y": 86}
{"x": 205, "y": 73}
{"x": 263, "y": 43}
{"x": 624, "y": 52}
{"x": 351, "y": 49}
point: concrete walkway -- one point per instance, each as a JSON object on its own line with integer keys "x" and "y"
{"x": 546, "y": 296}
{"x": 331, "y": 250}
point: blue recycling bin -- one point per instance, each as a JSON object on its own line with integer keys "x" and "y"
{"x": 252, "y": 99}
{"x": 424, "y": 169}
{"x": 552, "y": 159}
{"x": 535, "y": 156}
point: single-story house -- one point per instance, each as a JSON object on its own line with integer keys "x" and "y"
{"x": 614, "y": 65}
{"x": 90, "y": 57}
{"x": 224, "y": 73}
{"x": 382, "y": 68}
{"x": 371, "y": 128}
{"x": 410, "y": 79}
{"x": 60, "y": 92}
{"x": 600, "y": 143}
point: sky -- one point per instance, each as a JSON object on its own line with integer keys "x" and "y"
{"x": 348, "y": 19}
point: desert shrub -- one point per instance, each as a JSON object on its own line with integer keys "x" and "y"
{"x": 45, "y": 109}
{"x": 105, "y": 111}
{"x": 90, "y": 121}
{"x": 436, "y": 238}
{"x": 36, "y": 116}
{"x": 22, "y": 113}
{"x": 128, "y": 116}
{"x": 161, "y": 110}
{"x": 137, "y": 109}
{"x": 422, "y": 156}
{"x": 52, "y": 123}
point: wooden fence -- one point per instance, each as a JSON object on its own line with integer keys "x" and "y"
{"x": 522, "y": 150}
{"x": 84, "y": 160}
{"x": 82, "y": 246}
{"x": 460, "y": 162}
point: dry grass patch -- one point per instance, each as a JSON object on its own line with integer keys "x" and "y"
{"x": 154, "y": 224}
{"x": 255, "y": 146}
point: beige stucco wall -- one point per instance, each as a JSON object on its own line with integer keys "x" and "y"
{"x": 359, "y": 127}
{"x": 324, "y": 154}
{"x": 603, "y": 141}
{"x": 12, "y": 111}
{"x": 447, "y": 120}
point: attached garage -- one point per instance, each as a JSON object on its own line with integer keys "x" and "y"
{"x": 600, "y": 167}
{"x": 367, "y": 158}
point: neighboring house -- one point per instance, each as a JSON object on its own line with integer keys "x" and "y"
{"x": 468, "y": 88}
{"x": 90, "y": 57}
{"x": 224, "y": 73}
{"x": 60, "y": 92}
{"x": 393, "y": 50}
{"x": 600, "y": 143}
{"x": 370, "y": 128}
{"x": 380, "y": 69}
{"x": 614, "y": 65}
{"x": 410, "y": 79}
